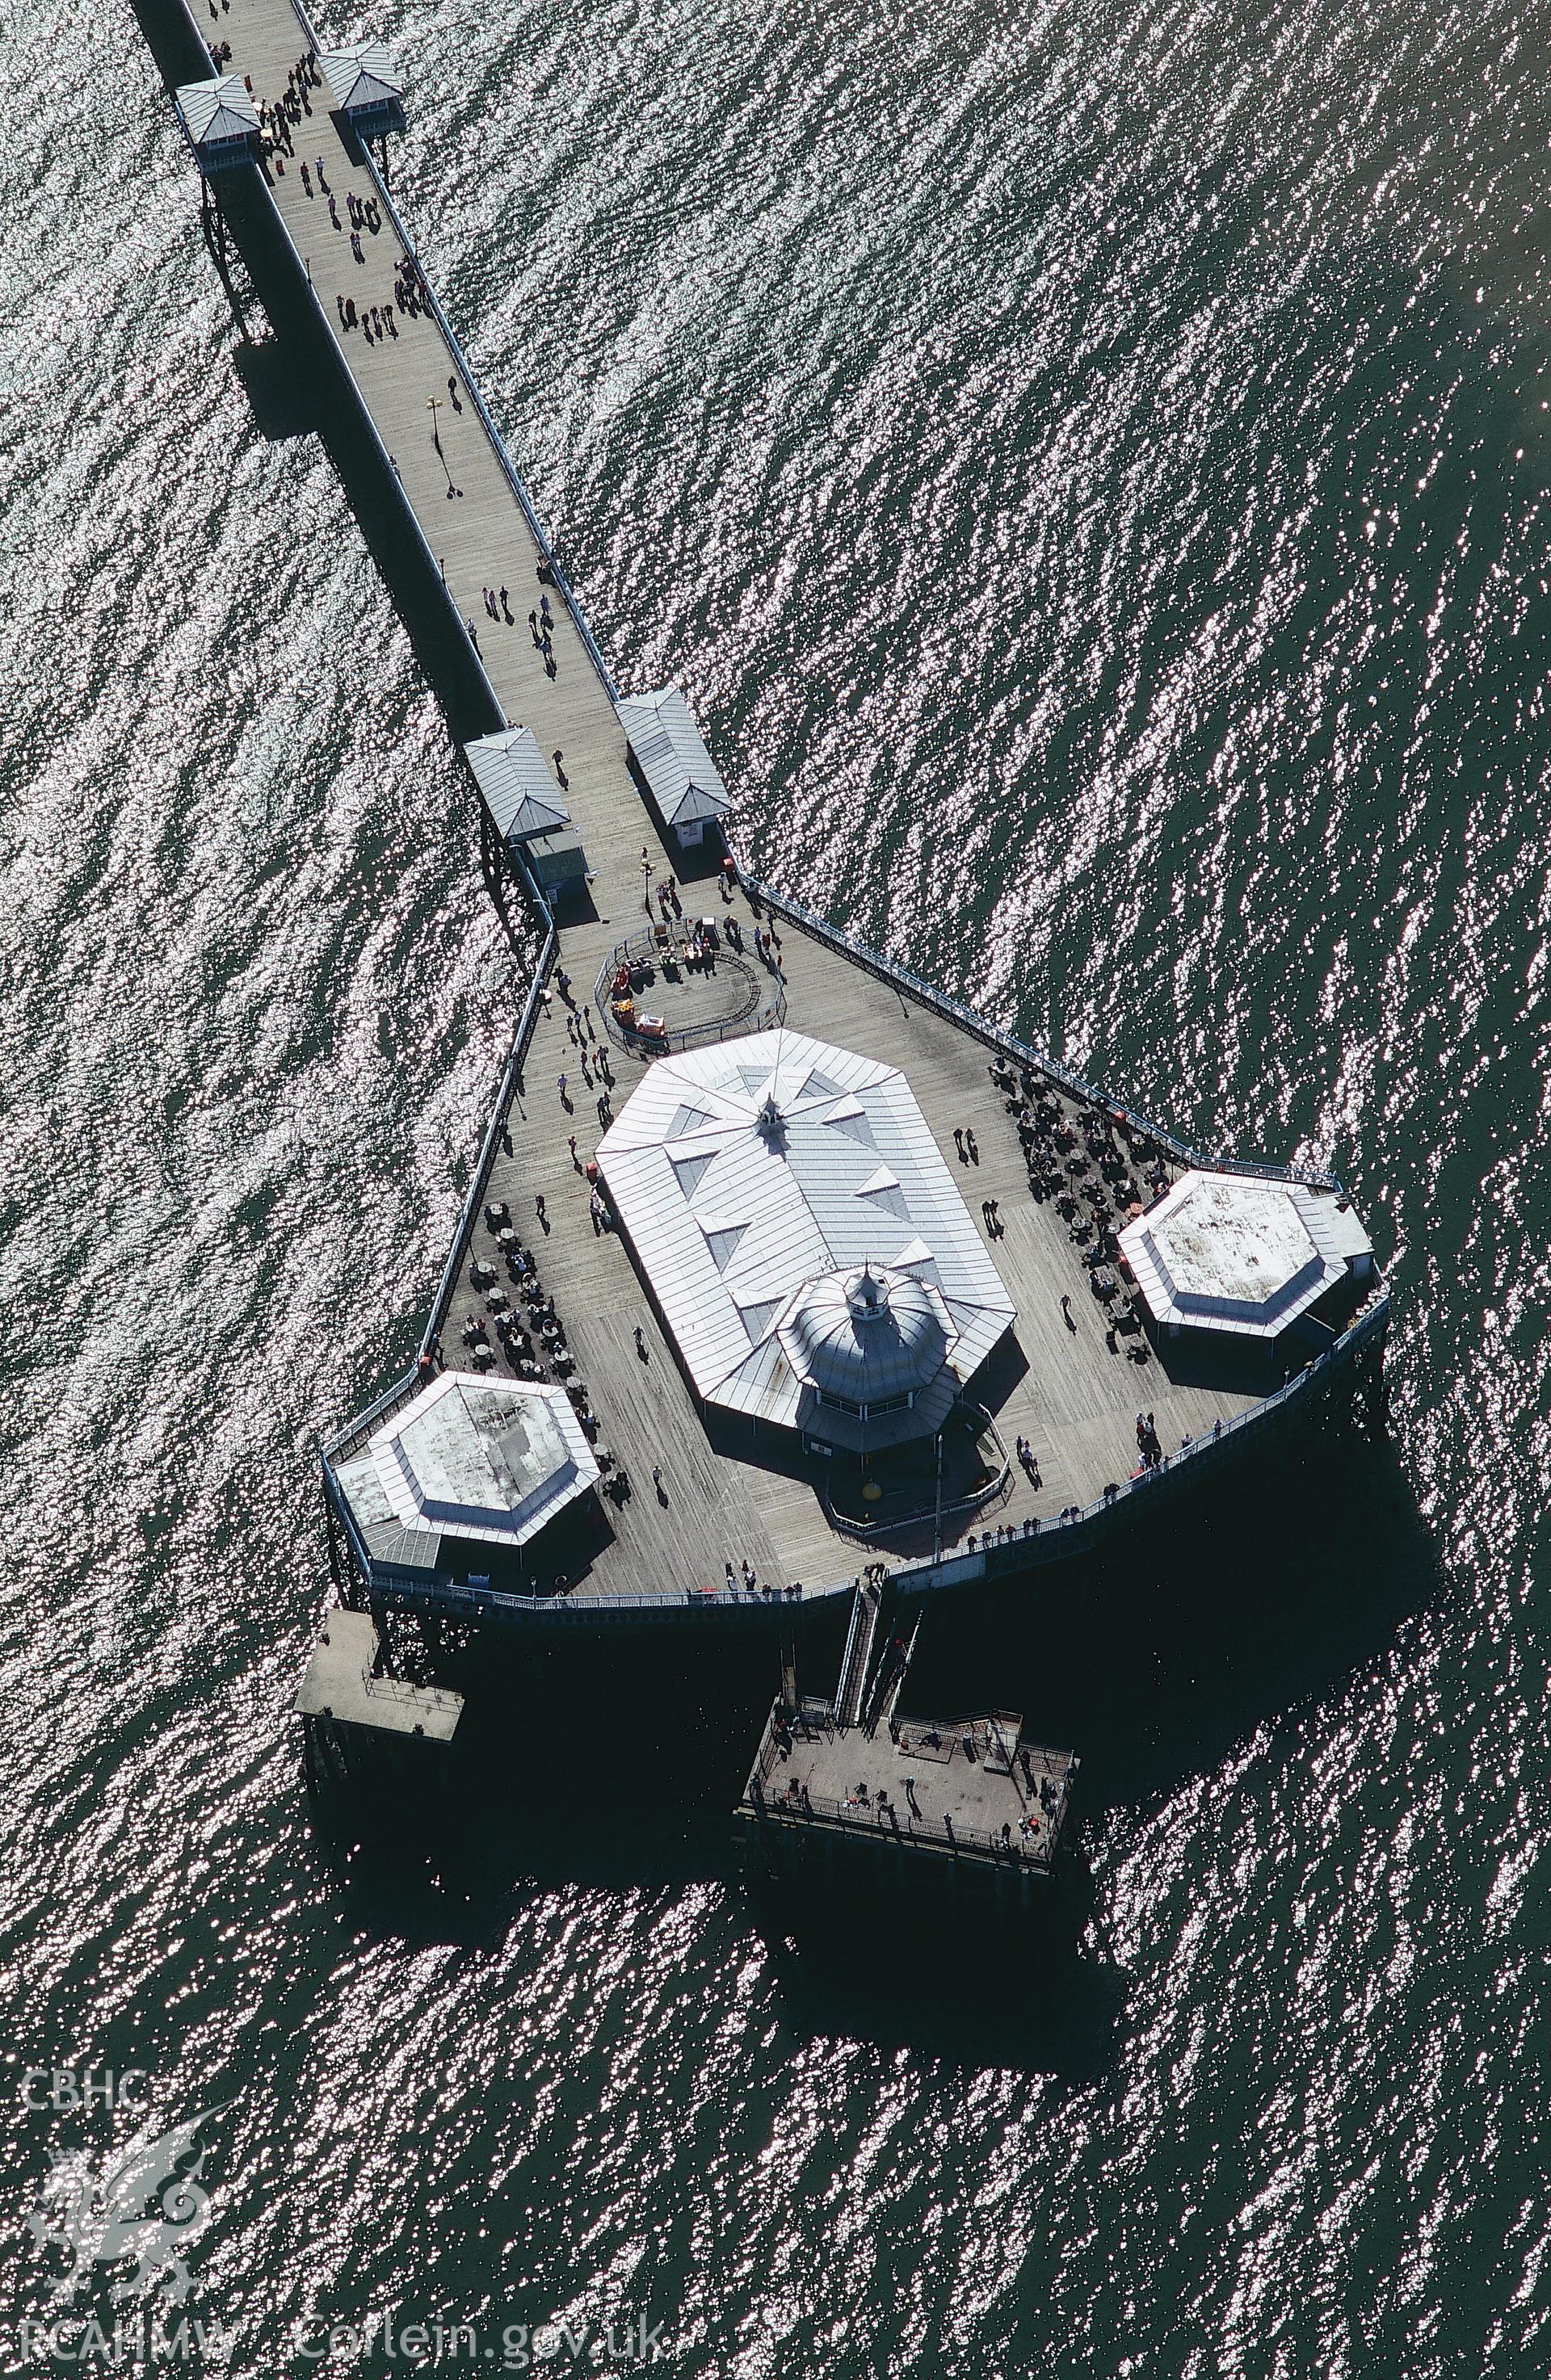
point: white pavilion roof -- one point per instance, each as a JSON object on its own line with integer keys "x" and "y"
{"x": 515, "y": 779}
{"x": 1244, "y": 1254}
{"x": 362, "y": 78}
{"x": 468, "y": 1457}
{"x": 221, "y": 110}
{"x": 728, "y": 1220}
{"x": 661, "y": 732}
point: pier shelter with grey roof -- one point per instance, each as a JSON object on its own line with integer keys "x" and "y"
{"x": 366, "y": 87}
{"x": 670, "y": 752}
{"x": 220, "y": 122}
{"x": 516, "y": 783}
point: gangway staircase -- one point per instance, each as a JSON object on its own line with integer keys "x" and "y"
{"x": 876, "y": 1658}
{"x": 861, "y": 1636}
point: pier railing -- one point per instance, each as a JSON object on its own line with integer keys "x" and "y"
{"x": 509, "y": 470}
{"x": 820, "y": 1812}
{"x": 454, "y": 347}
{"x": 1007, "y": 1045}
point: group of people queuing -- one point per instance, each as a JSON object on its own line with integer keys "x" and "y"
{"x": 278, "y": 119}
{"x": 497, "y": 603}
{"x": 375, "y": 321}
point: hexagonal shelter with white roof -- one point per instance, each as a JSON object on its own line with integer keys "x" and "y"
{"x": 1243, "y": 1255}
{"x": 484, "y": 1464}
{"x": 804, "y": 1239}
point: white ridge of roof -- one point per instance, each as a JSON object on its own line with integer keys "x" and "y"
{"x": 798, "y": 1193}
{"x": 661, "y": 732}
{"x": 514, "y": 779}
{"x": 362, "y": 76}
{"x": 221, "y": 110}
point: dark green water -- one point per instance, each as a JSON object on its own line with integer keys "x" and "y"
{"x": 1090, "y": 467}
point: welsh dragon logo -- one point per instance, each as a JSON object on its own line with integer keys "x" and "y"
{"x": 145, "y": 2202}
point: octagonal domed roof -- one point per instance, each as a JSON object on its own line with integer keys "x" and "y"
{"x": 867, "y": 1334}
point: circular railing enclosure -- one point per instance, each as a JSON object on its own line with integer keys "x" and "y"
{"x": 715, "y": 998}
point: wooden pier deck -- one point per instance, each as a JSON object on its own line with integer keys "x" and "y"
{"x": 1062, "y": 1389}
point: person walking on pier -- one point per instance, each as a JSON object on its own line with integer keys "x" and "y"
{"x": 958, "y": 1144}
{"x": 452, "y": 391}
{"x": 971, "y": 1144}
{"x": 565, "y": 1102}
{"x": 322, "y": 182}
{"x": 506, "y": 610}
{"x": 533, "y": 632}
{"x": 1066, "y": 1316}
{"x": 560, "y": 777}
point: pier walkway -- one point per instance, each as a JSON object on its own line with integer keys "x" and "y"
{"x": 482, "y": 535}
{"x": 1058, "y": 1384}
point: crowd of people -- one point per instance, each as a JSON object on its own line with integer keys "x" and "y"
{"x": 278, "y": 118}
